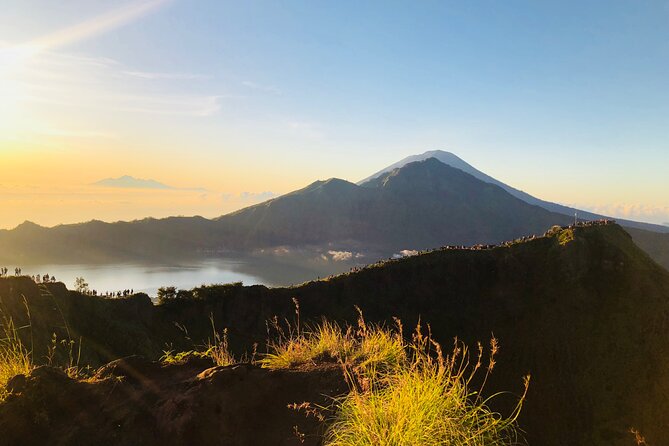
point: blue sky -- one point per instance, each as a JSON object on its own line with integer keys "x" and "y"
{"x": 566, "y": 100}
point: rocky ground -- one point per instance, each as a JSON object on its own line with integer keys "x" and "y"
{"x": 134, "y": 401}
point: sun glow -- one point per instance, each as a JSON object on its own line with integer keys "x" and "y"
{"x": 12, "y": 62}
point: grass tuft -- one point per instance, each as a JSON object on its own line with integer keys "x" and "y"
{"x": 15, "y": 358}
{"x": 217, "y": 349}
{"x": 365, "y": 346}
{"x": 401, "y": 392}
{"x": 424, "y": 399}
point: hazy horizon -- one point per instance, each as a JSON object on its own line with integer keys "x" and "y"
{"x": 568, "y": 102}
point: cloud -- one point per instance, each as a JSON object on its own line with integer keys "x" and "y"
{"x": 630, "y": 211}
{"x": 405, "y": 253}
{"x": 341, "y": 256}
{"x": 103, "y": 84}
{"x": 257, "y": 196}
{"x": 408, "y": 252}
{"x": 37, "y": 72}
{"x": 97, "y": 25}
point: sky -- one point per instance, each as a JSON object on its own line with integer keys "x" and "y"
{"x": 233, "y": 102}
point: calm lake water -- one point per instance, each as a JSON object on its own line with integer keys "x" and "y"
{"x": 148, "y": 278}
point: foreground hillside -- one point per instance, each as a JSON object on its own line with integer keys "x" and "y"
{"x": 584, "y": 311}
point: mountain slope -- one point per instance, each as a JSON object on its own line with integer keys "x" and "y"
{"x": 454, "y": 161}
{"x": 100, "y": 242}
{"x": 655, "y": 244}
{"x": 584, "y": 310}
{"x": 421, "y": 205}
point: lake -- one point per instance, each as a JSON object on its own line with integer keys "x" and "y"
{"x": 147, "y": 278}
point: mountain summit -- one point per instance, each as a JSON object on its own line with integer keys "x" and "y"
{"x": 423, "y": 204}
{"x": 456, "y": 162}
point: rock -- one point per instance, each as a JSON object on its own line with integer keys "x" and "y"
{"x": 16, "y": 384}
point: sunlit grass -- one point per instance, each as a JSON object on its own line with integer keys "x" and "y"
{"x": 425, "y": 400}
{"x": 15, "y": 358}
{"x": 217, "y": 349}
{"x": 401, "y": 392}
{"x": 366, "y": 345}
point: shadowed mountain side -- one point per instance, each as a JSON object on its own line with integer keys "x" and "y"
{"x": 655, "y": 244}
{"x": 456, "y": 162}
{"x": 422, "y": 205}
{"x": 585, "y": 311}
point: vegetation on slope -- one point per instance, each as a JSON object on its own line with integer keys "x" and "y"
{"x": 400, "y": 393}
{"x": 15, "y": 358}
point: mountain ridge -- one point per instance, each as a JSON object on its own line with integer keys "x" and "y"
{"x": 413, "y": 207}
{"x": 454, "y": 161}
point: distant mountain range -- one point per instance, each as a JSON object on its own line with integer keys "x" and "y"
{"x": 422, "y": 202}
{"x": 129, "y": 182}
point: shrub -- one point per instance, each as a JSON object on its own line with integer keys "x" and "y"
{"x": 166, "y": 293}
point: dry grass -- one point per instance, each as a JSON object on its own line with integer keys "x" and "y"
{"x": 366, "y": 346}
{"x": 15, "y": 358}
{"x": 424, "y": 400}
{"x": 217, "y": 349}
{"x": 401, "y": 393}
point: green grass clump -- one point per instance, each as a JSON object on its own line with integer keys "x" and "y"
{"x": 401, "y": 392}
{"x": 368, "y": 346}
{"x": 423, "y": 400}
{"x": 217, "y": 349}
{"x": 566, "y": 236}
{"x": 15, "y": 358}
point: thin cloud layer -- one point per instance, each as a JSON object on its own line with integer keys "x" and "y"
{"x": 100, "y": 24}
{"x": 631, "y": 211}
